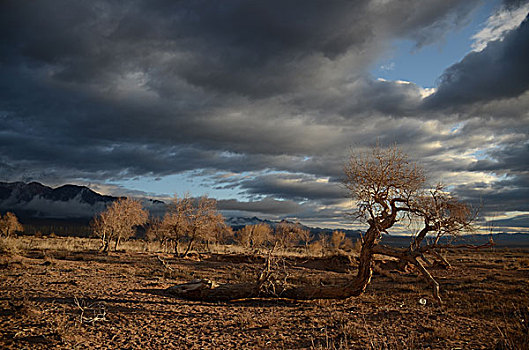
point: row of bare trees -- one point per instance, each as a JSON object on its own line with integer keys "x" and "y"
{"x": 189, "y": 221}
{"x": 287, "y": 234}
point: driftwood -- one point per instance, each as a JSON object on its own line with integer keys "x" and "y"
{"x": 206, "y": 290}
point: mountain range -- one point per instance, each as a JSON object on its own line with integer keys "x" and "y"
{"x": 36, "y": 201}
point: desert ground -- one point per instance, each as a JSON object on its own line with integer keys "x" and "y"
{"x": 61, "y": 293}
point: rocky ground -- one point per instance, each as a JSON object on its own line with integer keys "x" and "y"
{"x": 64, "y": 299}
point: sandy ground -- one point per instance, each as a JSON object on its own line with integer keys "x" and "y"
{"x": 77, "y": 300}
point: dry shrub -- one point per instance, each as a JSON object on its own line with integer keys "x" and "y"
{"x": 357, "y": 246}
{"x": 316, "y": 248}
{"x": 9, "y": 246}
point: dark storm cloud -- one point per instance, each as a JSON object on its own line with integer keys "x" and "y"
{"x": 100, "y": 90}
{"x": 265, "y": 206}
{"x": 510, "y": 159}
{"x": 499, "y": 71}
{"x": 496, "y": 198}
{"x": 294, "y": 186}
{"x": 510, "y": 192}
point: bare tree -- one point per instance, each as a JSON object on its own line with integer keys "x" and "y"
{"x": 175, "y": 225}
{"x": 202, "y": 220}
{"x": 254, "y": 236}
{"x": 306, "y": 237}
{"x": 189, "y": 221}
{"x": 9, "y": 225}
{"x": 442, "y": 215}
{"x": 286, "y": 234}
{"x": 337, "y": 240}
{"x": 221, "y": 233}
{"x": 387, "y": 188}
{"x": 157, "y": 231}
{"x": 117, "y": 222}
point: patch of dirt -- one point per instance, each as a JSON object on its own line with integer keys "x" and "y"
{"x": 87, "y": 300}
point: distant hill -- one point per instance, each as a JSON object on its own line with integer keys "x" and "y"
{"x": 237, "y": 223}
{"x": 501, "y": 240}
{"x": 35, "y": 201}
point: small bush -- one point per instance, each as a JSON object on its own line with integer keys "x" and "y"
{"x": 9, "y": 247}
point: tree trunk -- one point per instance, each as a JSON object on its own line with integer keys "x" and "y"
{"x": 104, "y": 247}
{"x": 188, "y": 247}
{"x": 419, "y": 238}
{"x": 117, "y": 243}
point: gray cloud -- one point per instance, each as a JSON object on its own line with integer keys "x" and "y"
{"x": 265, "y": 206}
{"x": 513, "y": 3}
{"x": 519, "y": 221}
{"x": 93, "y": 91}
{"x": 499, "y": 71}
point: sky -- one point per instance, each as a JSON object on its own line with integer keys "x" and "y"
{"x": 259, "y": 103}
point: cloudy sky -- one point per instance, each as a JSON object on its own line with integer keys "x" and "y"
{"x": 259, "y": 103}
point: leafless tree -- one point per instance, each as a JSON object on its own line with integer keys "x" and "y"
{"x": 117, "y": 222}
{"x": 254, "y": 236}
{"x": 175, "y": 224}
{"x": 157, "y": 231}
{"x": 306, "y": 237}
{"x": 442, "y": 215}
{"x": 337, "y": 240}
{"x": 387, "y": 188}
{"x": 9, "y": 225}
{"x": 221, "y": 233}
{"x": 286, "y": 234}
{"x": 189, "y": 220}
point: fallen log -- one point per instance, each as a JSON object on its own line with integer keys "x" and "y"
{"x": 206, "y": 290}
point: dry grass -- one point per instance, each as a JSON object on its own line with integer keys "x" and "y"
{"x": 486, "y": 303}
{"x": 9, "y": 246}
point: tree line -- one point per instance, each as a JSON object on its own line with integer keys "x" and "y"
{"x": 195, "y": 222}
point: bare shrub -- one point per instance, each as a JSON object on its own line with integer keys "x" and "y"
{"x": 316, "y": 248}
{"x": 337, "y": 240}
{"x": 9, "y": 246}
{"x": 9, "y": 225}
